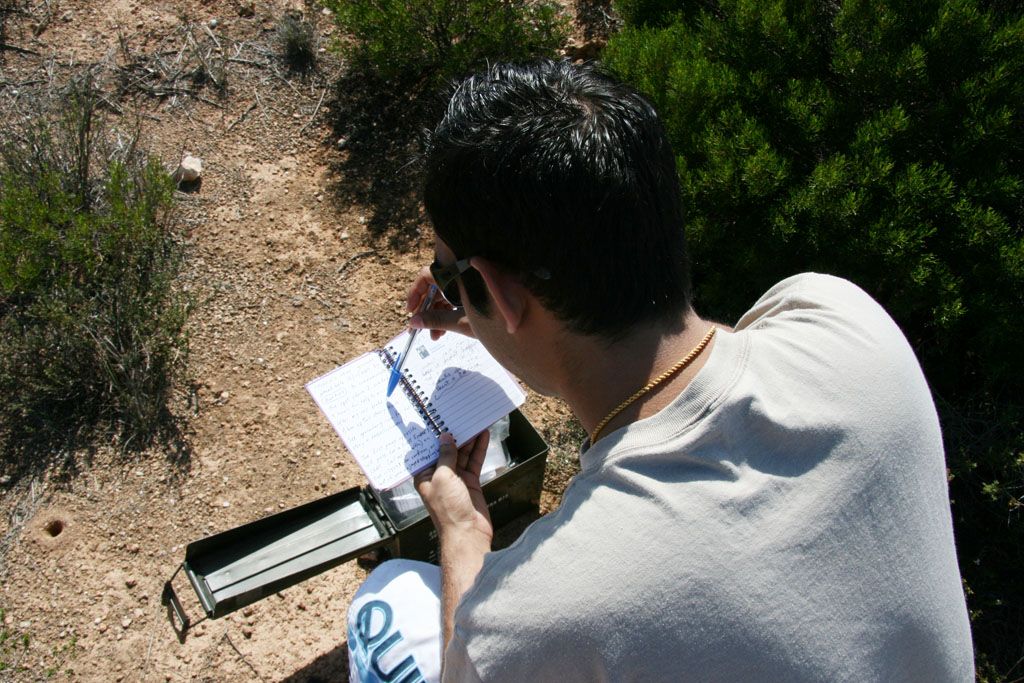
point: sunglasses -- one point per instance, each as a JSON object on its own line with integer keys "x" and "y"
{"x": 445, "y": 278}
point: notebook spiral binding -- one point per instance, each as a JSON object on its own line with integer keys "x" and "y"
{"x": 412, "y": 389}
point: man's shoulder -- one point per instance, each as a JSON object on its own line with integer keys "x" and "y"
{"x": 824, "y": 309}
{"x": 811, "y": 292}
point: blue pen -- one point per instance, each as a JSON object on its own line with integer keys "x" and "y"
{"x": 396, "y": 369}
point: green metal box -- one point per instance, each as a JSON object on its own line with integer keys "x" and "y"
{"x": 237, "y": 567}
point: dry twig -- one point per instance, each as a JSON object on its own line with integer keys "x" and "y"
{"x": 353, "y": 258}
{"x": 239, "y": 119}
{"x": 315, "y": 112}
{"x": 20, "y": 50}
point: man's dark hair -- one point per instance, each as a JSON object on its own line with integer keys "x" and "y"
{"x": 562, "y": 175}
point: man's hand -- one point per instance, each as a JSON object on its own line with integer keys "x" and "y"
{"x": 451, "y": 489}
{"x": 451, "y": 492}
{"x": 441, "y": 317}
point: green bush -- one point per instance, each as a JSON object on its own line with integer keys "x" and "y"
{"x": 91, "y": 327}
{"x": 879, "y": 141}
{"x": 440, "y": 39}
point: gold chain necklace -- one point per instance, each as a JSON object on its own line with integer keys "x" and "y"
{"x": 655, "y": 382}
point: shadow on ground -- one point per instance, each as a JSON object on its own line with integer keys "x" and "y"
{"x": 378, "y": 127}
{"x": 330, "y": 667}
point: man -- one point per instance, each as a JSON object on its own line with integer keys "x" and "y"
{"x": 761, "y": 503}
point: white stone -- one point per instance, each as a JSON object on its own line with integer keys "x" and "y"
{"x": 189, "y": 170}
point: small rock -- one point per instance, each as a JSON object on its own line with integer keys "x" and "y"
{"x": 189, "y": 170}
{"x": 126, "y": 622}
{"x": 212, "y": 23}
{"x": 247, "y": 632}
{"x": 131, "y": 582}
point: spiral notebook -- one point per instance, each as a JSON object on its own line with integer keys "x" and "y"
{"x": 451, "y": 384}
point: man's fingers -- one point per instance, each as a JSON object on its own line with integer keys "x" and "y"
{"x": 449, "y": 454}
{"x": 475, "y": 461}
{"x": 418, "y": 290}
{"x": 441, "y": 320}
{"x": 422, "y": 477}
{"x": 448, "y": 457}
{"x": 464, "y": 452}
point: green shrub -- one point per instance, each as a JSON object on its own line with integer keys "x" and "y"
{"x": 91, "y": 327}
{"x": 440, "y": 39}
{"x": 879, "y": 141}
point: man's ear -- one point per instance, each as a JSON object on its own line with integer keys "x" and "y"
{"x": 507, "y": 292}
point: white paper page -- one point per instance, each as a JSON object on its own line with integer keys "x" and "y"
{"x": 462, "y": 382}
{"x": 387, "y": 437}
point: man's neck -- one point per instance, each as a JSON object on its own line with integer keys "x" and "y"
{"x": 599, "y": 376}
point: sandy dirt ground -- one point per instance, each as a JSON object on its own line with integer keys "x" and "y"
{"x": 288, "y": 280}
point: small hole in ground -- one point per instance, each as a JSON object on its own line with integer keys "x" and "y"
{"x": 54, "y": 527}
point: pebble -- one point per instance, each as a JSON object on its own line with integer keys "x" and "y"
{"x": 188, "y": 170}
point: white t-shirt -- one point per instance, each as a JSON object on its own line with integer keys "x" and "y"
{"x": 785, "y": 518}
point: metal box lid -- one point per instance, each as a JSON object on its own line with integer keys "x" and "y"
{"x": 242, "y": 565}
